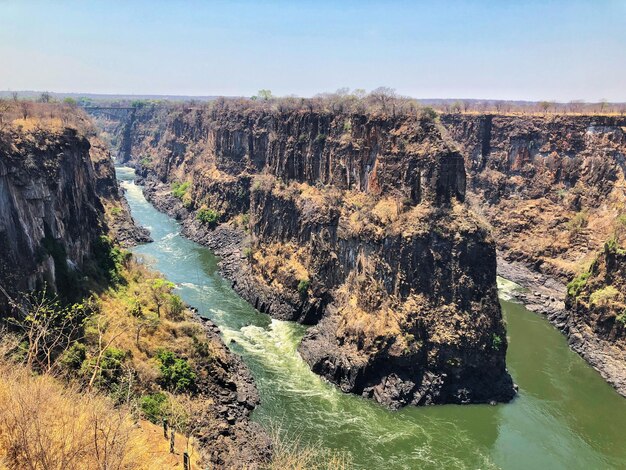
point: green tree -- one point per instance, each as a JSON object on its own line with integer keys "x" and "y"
{"x": 176, "y": 373}
{"x": 160, "y": 291}
{"x": 265, "y": 95}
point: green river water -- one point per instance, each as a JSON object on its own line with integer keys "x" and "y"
{"x": 565, "y": 416}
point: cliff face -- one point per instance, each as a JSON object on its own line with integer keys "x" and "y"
{"x": 553, "y": 189}
{"x": 56, "y": 186}
{"x": 596, "y": 324}
{"x": 355, "y": 224}
{"x": 50, "y": 213}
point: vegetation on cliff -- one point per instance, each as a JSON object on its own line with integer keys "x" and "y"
{"x": 336, "y": 201}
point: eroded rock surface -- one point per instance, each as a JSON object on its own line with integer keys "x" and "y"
{"x": 355, "y": 224}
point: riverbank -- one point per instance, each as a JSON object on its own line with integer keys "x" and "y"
{"x": 340, "y": 362}
{"x": 565, "y": 415}
{"x": 545, "y": 295}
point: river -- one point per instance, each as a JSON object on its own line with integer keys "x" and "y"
{"x": 565, "y": 416}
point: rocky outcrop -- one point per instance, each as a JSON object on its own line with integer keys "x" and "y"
{"x": 550, "y": 187}
{"x": 228, "y": 437}
{"x": 120, "y": 223}
{"x": 56, "y": 185}
{"x": 50, "y": 214}
{"x": 353, "y": 223}
{"x": 596, "y": 325}
{"x": 553, "y": 190}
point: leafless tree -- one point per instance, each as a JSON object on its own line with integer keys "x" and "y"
{"x": 25, "y": 109}
{"x": 383, "y": 95}
{"x": 47, "y": 327}
{"x": 102, "y": 326}
{"x": 576, "y": 106}
{"x": 545, "y": 106}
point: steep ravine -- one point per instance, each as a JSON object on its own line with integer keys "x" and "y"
{"x": 553, "y": 191}
{"x": 59, "y": 197}
{"x": 356, "y": 224}
{"x": 565, "y": 415}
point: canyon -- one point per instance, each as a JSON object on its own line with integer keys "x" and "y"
{"x": 336, "y": 205}
{"x": 553, "y": 191}
{"x": 383, "y": 234}
{"x": 549, "y": 188}
{"x": 63, "y": 222}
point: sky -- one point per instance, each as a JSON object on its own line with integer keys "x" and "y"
{"x": 519, "y": 50}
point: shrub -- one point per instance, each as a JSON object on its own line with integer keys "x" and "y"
{"x": 603, "y": 296}
{"x": 575, "y": 287}
{"x": 154, "y": 406}
{"x": 74, "y": 357}
{"x": 179, "y": 190}
{"x": 622, "y": 317}
{"x": 146, "y": 161}
{"x": 496, "y": 342}
{"x": 320, "y": 139}
{"x": 303, "y": 286}
{"x": 427, "y": 114}
{"x": 578, "y": 222}
{"x": 176, "y": 373}
{"x": 208, "y": 216}
{"x": 175, "y": 307}
{"x": 111, "y": 366}
{"x": 109, "y": 369}
{"x": 115, "y": 211}
{"x": 109, "y": 259}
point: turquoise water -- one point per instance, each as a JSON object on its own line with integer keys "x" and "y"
{"x": 565, "y": 417}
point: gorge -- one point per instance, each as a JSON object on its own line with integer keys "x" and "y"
{"x": 358, "y": 249}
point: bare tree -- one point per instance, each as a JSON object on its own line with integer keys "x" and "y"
{"x": 383, "y": 95}
{"x": 45, "y": 97}
{"x": 15, "y": 96}
{"x": 545, "y": 106}
{"x": 47, "y": 327}
{"x": 102, "y": 326}
{"x": 576, "y": 106}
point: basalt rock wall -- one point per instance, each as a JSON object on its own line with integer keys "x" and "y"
{"x": 353, "y": 223}
{"x": 553, "y": 190}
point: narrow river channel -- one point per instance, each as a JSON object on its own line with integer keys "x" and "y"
{"x": 565, "y": 417}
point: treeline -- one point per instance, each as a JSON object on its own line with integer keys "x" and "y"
{"x": 384, "y": 101}
{"x": 33, "y": 114}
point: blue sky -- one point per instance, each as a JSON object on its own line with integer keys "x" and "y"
{"x": 534, "y": 50}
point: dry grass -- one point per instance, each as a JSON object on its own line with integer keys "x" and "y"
{"x": 293, "y": 454}
{"x": 129, "y": 313}
{"x": 282, "y": 263}
{"x": 44, "y": 425}
{"x": 28, "y": 117}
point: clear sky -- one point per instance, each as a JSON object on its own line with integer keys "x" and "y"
{"x": 504, "y": 49}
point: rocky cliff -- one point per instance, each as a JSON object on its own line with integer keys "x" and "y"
{"x": 59, "y": 204}
{"x": 57, "y": 188}
{"x": 553, "y": 190}
{"x": 551, "y": 187}
{"x": 596, "y": 325}
{"x": 353, "y": 223}
{"x": 50, "y": 214}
